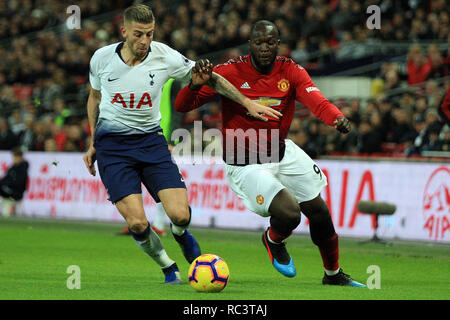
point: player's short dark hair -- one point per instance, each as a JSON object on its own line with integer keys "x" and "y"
{"x": 139, "y": 13}
{"x": 260, "y": 24}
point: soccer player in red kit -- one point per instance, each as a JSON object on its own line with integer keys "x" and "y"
{"x": 272, "y": 175}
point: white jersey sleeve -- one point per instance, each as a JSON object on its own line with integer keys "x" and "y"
{"x": 179, "y": 66}
{"x": 93, "y": 73}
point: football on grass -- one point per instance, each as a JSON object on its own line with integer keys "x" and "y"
{"x": 208, "y": 273}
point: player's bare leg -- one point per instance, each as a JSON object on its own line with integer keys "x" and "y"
{"x": 175, "y": 202}
{"x": 284, "y": 218}
{"x": 323, "y": 235}
{"x": 132, "y": 209}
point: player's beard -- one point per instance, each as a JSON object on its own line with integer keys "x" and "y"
{"x": 263, "y": 66}
{"x": 138, "y": 54}
{"x": 134, "y": 49}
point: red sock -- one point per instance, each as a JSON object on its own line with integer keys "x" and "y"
{"x": 277, "y": 237}
{"x": 329, "y": 250}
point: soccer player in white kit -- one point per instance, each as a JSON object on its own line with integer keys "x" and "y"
{"x": 127, "y": 142}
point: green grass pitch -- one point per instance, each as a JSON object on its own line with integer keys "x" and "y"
{"x": 35, "y": 255}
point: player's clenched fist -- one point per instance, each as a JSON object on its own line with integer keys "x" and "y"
{"x": 342, "y": 125}
{"x": 201, "y": 73}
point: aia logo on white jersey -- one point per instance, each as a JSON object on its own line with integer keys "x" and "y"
{"x": 143, "y": 101}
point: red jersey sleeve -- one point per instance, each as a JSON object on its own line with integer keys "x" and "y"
{"x": 188, "y": 99}
{"x": 308, "y": 94}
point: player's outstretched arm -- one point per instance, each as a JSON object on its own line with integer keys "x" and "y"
{"x": 202, "y": 74}
{"x": 93, "y": 112}
{"x": 309, "y": 95}
{"x": 225, "y": 88}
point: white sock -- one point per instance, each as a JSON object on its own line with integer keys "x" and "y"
{"x": 153, "y": 247}
{"x": 331, "y": 272}
{"x": 163, "y": 260}
{"x": 177, "y": 229}
{"x": 160, "y": 217}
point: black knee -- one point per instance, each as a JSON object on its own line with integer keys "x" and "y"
{"x": 286, "y": 220}
{"x": 293, "y": 218}
{"x": 321, "y": 226}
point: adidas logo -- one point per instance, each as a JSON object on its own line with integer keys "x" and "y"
{"x": 245, "y": 86}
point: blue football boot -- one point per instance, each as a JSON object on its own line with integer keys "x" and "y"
{"x": 172, "y": 274}
{"x": 280, "y": 258}
{"x": 189, "y": 246}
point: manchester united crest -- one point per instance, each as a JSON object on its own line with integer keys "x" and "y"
{"x": 283, "y": 85}
{"x": 259, "y": 199}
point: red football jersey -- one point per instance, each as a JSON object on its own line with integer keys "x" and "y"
{"x": 286, "y": 83}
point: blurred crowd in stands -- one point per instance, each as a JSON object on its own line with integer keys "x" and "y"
{"x": 44, "y": 66}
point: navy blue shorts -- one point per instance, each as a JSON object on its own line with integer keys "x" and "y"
{"x": 147, "y": 160}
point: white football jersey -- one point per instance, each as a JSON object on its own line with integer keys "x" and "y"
{"x": 131, "y": 95}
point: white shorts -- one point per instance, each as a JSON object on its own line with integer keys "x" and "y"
{"x": 258, "y": 184}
